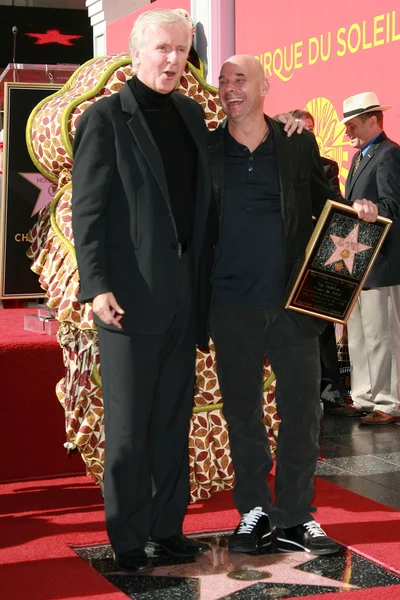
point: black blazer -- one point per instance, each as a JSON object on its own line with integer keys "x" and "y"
{"x": 331, "y": 170}
{"x": 378, "y": 179}
{"x": 304, "y": 191}
{"x": 124, "y": 231}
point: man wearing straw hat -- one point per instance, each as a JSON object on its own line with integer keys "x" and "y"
{"x": 374, "y": 325}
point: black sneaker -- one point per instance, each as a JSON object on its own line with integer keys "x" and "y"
{"x": 253, "y": 532}
{"x": 307, "y": 536}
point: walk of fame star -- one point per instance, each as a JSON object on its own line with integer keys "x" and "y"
{"x": 212, "y": 571}
{"x": 222, "y": 575}
{"x": 346, "y": 249}
{"x": 47, "y": 190}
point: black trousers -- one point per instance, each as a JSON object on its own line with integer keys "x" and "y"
{"x": 329, "y": 361}
{"x": 242, "y": 339}
{"x": 148, "y": 388}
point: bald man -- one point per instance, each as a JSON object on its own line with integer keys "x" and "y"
{"x": 267, "y": 188}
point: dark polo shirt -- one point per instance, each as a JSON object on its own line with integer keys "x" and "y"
{"x": 249, "y": 268}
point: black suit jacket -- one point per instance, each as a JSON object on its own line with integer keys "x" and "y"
{"x": 304, "y": 191}
{"x": 331, "y": 170}
{"x": 378, "y": 179}
{"x": 124, "y": 231}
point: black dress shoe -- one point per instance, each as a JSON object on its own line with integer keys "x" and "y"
{"x": 180, "y": 545}
{"x": 134, "y": 561}
{"x": 334, "y": 403}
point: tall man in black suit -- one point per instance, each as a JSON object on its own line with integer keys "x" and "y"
{"x": 374, "y": 324}
{"x": 141, "y": 194}
{"x": 267, "y": 188}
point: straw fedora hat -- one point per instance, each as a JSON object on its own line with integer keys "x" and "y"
{"x": 361, "y": 103}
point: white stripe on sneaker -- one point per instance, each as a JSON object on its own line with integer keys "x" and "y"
{"x": 291, "y": 542}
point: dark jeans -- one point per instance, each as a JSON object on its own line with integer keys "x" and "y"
{"x": 242, "y": 339}
{"x": 148, "y": 388}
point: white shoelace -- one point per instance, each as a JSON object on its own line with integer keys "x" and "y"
{"x": 249, "y": 520}
{"x": 314, "y": 529}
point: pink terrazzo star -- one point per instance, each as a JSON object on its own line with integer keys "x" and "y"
{"x": 212, "y": 570}
{"x": 346, "y": 249}
{"x": 47, "y": 190}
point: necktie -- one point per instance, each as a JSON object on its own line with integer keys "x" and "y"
{"x": 356, "y": 164}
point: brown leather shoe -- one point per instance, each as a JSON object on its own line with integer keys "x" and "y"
{"x": 348, "y": 411}
{"x": 377, "y": 417}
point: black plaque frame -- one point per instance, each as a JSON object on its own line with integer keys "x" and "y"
{"x": 329, "y": 291}
{"x": 19, "y": 196}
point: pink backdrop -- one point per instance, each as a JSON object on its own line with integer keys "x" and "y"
{"x": 319, "y": 53}
{"x": 118, "y": 31}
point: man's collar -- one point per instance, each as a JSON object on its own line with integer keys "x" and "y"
{"x": 367, "y": 146}
{"x": 235, "y": 148}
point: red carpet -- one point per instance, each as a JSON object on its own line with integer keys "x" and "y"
{"x": 40, "y": 520}
{"x": 32, "y": 433}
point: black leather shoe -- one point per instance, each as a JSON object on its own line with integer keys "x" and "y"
{"x": 180, "y": 545}
{"x": 253, "y": 532}
{"x": 334, "y": 403}
{"x": 308, "y": 537}
{"x": 134, "y": 561}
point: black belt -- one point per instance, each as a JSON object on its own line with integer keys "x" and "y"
{"x": 181, "y": 247}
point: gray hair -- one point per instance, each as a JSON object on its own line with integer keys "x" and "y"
{"x": 150, "y": 20}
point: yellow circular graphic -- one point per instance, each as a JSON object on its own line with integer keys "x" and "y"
{"x": 330, "y": 135}
{"x": 345, "y": 253}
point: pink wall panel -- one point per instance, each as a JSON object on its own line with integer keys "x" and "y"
{"x": 318, "y": 53}
{"x": 118, "y": 31}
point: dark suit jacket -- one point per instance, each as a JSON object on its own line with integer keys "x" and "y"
{"x": 331, "y": 170}
{"x": 304, "y": 191}
{"x": 124, "y": 231}
{"x": 378, "y": 179}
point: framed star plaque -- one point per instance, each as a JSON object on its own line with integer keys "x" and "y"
{"x": 338, "y": 258}
{"x": 24, "y": 191}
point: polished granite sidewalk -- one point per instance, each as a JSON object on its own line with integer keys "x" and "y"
{"x": 363, "y": 459}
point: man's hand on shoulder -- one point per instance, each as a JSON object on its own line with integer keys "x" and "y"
{"x": 366, "y": 210}
{"x": 108, "y": 310}
{"x": 292, "y": 125}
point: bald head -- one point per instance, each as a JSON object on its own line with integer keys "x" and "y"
{"x": 242, "y": 88}
{"x": 246, "y": 63}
